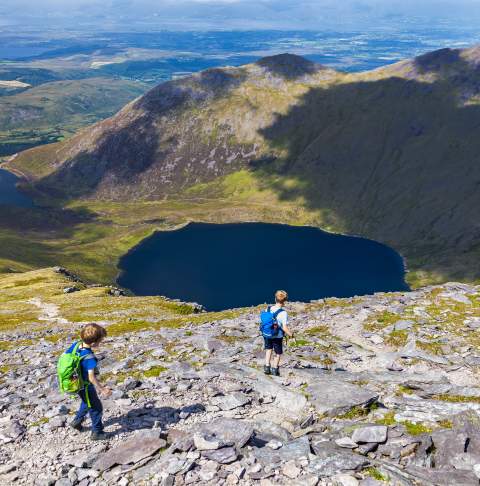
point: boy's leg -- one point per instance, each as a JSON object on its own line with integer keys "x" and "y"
{"x": 278, "y": 349}
{"x": 268, "y": 355}
{"x": 95, "y": 410}
{"x": 82, "y": 411}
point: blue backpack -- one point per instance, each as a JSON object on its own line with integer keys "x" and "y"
{"x": 269, "y": 326}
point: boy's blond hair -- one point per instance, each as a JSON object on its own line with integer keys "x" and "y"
{"x": 281, "y": 296}
{"x": 92, "y": 333}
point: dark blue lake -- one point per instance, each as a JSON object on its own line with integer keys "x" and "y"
{"x": 9, "y": 194}
{"x": 234, "y": 265}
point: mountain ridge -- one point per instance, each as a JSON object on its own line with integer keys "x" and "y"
{"x": 389, "y": 154}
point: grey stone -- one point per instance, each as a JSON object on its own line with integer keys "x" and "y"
{"x": 442, "y": 477}
{"x": 205, "y": 442}
{"x": 129, "y": 452}
{"x": 330, "y": 394}
{"x": 63, "y": 482}
{"x": 448, "y": 443}
{"x": 222, "y": 456}
{"x": 228, "y": 430}
{"x": 346, "y": 442}
{"x": 294, "y": 449}
{"x": 330, "y": 460}
{"x": 232, "y": 401}
{"x": 291, "y": 470}
{"x": 403, "y": 325}
{"x": 7, "y": 468}
{"x": 372, "y": 433}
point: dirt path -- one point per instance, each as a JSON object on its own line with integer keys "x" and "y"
{"x": 48, "y": 312}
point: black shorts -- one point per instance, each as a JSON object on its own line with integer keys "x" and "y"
{"x": 274, "y": 343}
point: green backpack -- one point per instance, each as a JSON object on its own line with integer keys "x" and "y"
{"x": 70, "y": 378}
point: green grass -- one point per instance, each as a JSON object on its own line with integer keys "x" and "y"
{"x": 397, "y": 338}
{"x": 416, "y": 429}
{"x": 381, "y": 320}
{"x": 39, "y": 422}
{"x": 358, "y": 412}
{"x": 154, "y": 372}
{"x": 387, "y": 419}
{"x": 456, "y": 398}
{"x": 374, "y": 473}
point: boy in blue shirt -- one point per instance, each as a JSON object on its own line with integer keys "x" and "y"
{"x": 91, "y": 337}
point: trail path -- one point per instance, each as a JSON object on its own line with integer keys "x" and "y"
{"x": 49, "y": 312}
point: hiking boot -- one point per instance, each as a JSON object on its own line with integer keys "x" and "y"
{"x": 77, "y": 425}
{"x": 267, "y": 370}
{"x": 276, "y": 371}
{"x": 99, "y": 436}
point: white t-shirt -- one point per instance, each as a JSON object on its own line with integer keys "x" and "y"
{"x": 282, "y": 318}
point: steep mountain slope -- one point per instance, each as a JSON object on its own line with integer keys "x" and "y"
{"x": 390, "y": 154}
{"x": 384, "y": 386}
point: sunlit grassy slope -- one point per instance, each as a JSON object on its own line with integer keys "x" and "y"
{"x": 33, "y": 300}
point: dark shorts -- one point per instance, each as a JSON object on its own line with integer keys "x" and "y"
{"x": 274, "y": 343}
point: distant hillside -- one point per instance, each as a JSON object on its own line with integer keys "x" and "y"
{"x": 390, "y": 154}
{"x": 49, "y": 111}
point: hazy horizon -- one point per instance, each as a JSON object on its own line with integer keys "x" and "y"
{"x": 138, "y": 15}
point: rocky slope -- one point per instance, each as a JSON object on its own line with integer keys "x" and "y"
{"x": 390, "y": 154}
{"x": 379, "y": 389}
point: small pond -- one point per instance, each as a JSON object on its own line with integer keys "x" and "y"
{"x": 223, "y": 266}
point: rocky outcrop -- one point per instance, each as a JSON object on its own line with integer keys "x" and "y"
{"x": 191, "y": 404}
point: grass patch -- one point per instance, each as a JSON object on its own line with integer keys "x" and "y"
{"x": 374, "y": 473}
{"x": 397, "y": 338}
{"x": 387, "y": 419}
{"x": 154, "y": 371}
{"x": 298, "y": 343}
{"x": 318, "y": 331}
{"x": 358, "y": 412}
{"x": 404, "y": 390}
{"x": 7, "y": 345}
{"x": 445, "y": 424}
{"x": 431, "y": 347}
{"x": 456, "y": 398}
{"x": 39, "y": 422}
{"x": 416, "y": 429}
{"x": 381, "y": 320}
{"x": 230, "y": 339}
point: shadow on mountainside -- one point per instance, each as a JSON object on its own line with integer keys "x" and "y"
{"x": 289, "y": 66}
{"x": 395, "y": 160}
{"x": 122, "y": 155}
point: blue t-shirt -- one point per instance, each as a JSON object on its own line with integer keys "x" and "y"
{"x": 87, "y": 363}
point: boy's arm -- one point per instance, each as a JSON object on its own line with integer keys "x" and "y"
{"x": 93, "y": 380}
{"x": 285, "y": 327}
{"x": 287, "y": 331}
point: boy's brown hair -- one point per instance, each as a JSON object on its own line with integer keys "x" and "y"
{"x": 281, "y": 296}
{"x": 92, "y": 333}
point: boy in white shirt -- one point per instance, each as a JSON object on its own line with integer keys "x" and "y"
{"x": 276, "y": 344}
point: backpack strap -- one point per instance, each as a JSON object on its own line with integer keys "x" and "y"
{"x": 275, "y": 314}
{"x": 75, "y": 348}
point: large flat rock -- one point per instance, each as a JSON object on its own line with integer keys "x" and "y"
{"x": 237, "y": 432}
{"x": 293, "y": 450}
{"x": 288, "y": 405}
{"x": 331, "y": 395}
{"x": 139, "y": 447}
{"x": 330, "y": 460}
